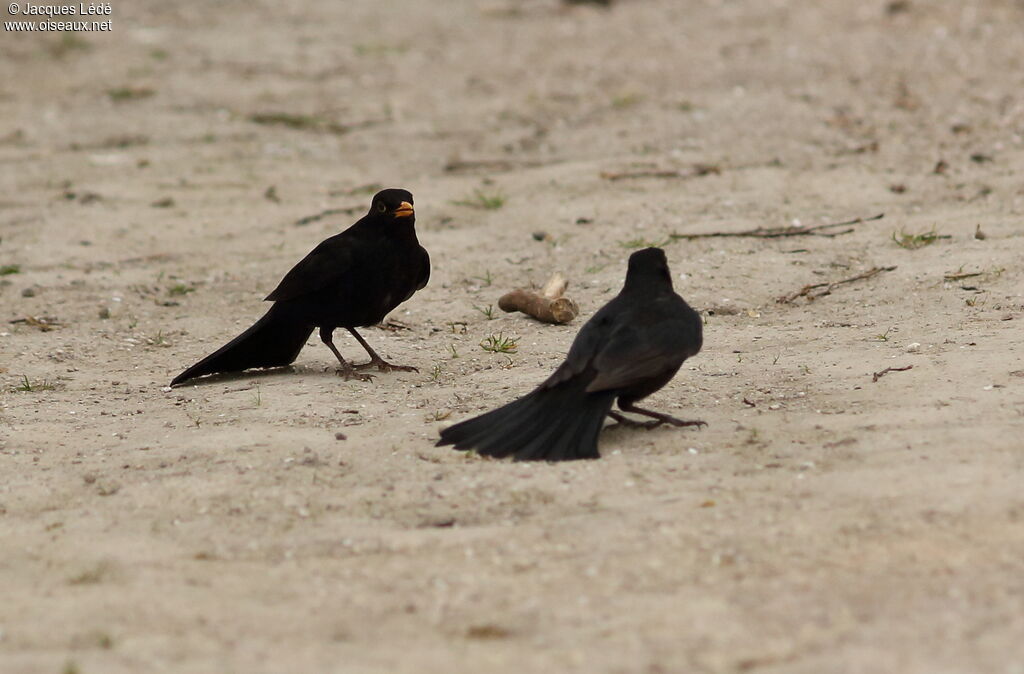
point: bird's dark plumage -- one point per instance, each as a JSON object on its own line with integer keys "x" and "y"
{"x": 628, "y": 350}
{"x": 350, "y": 280}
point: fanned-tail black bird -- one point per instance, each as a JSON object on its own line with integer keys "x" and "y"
{"x": 350, "y": 280}
{"x": 629, "y": 349}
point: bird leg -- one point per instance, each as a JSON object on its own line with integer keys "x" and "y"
{"x": 346, "y": 370}
{"x": 375, "y": 360}
{"x": 621, "y": 420}
{"x": 658, "y": 417}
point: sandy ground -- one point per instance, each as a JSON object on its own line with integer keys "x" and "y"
{"x": 154, "y": 184}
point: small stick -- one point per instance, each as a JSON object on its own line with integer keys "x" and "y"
{"x": 959, "y": 276}
{"x": 826, "y": 288}
{"x": 324, "y": 213}
{"x": 878, "y": 375}
{"x": 780, "y": 232}
{"x": 44, "y": 323}
{"x": 695, "y": 172}
{"x": 555, "y": 287}
{"x": 550, "y": 305}
{"x": 494, "y": 165}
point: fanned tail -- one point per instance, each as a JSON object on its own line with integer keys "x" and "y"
{"x": 561, "y": 423}
{"x": 273, "y": 341}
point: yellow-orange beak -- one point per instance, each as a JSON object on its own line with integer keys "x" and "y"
{"x": 404, "y": 210}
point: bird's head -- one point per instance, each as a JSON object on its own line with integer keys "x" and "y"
{"x": 649, "y": 263}
{"x": 393, "y": 203}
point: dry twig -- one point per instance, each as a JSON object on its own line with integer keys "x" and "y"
{"x": 324, "y": 213}
{"x": 43, "y": 323}
{"x": 492, "y": 165}
{"x": 695, "y": 172}
{"x": 878, "y": 375}
{"x": 816, "y": 290}
{"x": 959, "y": 276}
{"x": 780, "y": 232}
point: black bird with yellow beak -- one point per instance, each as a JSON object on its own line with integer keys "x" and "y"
{"x": 350, "y": 280}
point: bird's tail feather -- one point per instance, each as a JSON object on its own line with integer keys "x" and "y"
{"x": 556, "y": 424}
{"x": 272, "y": 341}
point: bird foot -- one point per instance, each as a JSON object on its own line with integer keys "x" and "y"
{"x": 385, "y": 366}
{"x": 654, "y": 423}
{"x": 349, "y": 373}
{"x": 626, "y": 422}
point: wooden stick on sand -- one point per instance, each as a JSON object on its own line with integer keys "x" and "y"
{"x": 550, "y": 305}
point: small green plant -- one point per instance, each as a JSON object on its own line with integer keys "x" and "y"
{"x": 121, "y": 94}
{"x": 179, "y": 289}
{"x": 487, "y": 311}
{"x": 368, "y": 188}
{"x": 499, "y": 344}
{"x": 299, "y": 122}
{"x": 435, "y": 372}
{"x": 93, "y": 574}
{"x": 287, "y": 119}
{"x": 8, "y": 269}
{"x": 379, "y": 48}
{"x": 27, "y": 386}
{"x": 483, "y": 200}
{"x": 455, "y": 354}
{"x": 641, "y": 242}
{"x": 68, "y": 42}
{"x": 486, "y": 279}
{"x": 884, "y": 337}
{"x": 914, "y": 241}
{"x": 626, "y": 100}
{"x": 258, "y": 398}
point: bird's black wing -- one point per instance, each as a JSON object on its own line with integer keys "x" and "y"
{"x": 588, "y": 343}
{"x": 646, "y": 338}
{"x": 634, "y": 354}
{"x": 324, "y": 265}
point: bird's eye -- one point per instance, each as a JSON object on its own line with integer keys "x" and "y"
{"x": 381, "y": 207}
